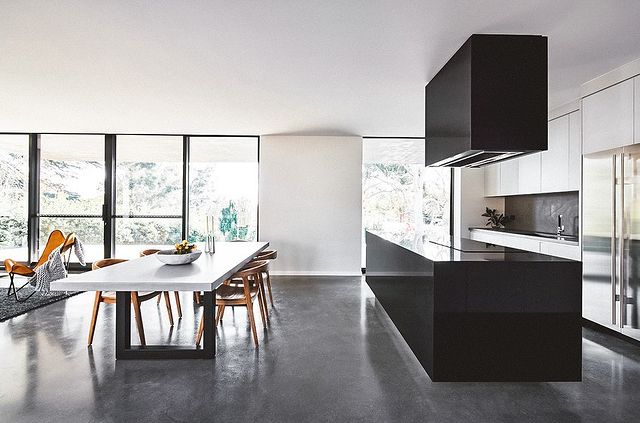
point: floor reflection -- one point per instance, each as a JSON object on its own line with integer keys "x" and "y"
{"x": 330, "y": 354}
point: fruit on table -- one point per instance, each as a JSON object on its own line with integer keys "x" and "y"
{"x": 184, "y": 247}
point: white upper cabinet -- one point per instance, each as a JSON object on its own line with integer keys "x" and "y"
{"x": 555, "y": 170}
{"x": 555, "y": 161}
{"x": 492, "y": 180}
{"x": 575, "y": 150}
{"x": 509, "y": 176}
{"x": 607, "y": 118}
{"x": 529, "y": 174}
{"x": 636, "y": 118}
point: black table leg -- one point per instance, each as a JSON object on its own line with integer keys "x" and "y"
{"x": 125, "y": 351}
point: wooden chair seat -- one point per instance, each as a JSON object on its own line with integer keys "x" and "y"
{"x": 109, "y": 297}
{"x": 230, "y": 293}
{"x": 235, "y": 295}
{"x": 142, "y": 296}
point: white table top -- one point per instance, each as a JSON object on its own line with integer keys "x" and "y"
{"x": 149, "y": 274}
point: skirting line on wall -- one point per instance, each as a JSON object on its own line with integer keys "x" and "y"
{"x": 407, "y": 274}
{"x": 313, "y": 273}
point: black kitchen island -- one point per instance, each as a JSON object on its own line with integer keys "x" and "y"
{"x": 472, "y": 311}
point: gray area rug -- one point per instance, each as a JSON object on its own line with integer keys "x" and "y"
{"x": 10, "y": 308}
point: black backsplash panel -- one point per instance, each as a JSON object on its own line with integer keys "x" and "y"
{"x": 539, "y": 212}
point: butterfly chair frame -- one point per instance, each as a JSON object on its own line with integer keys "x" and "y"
{"x": 56, "y": 240}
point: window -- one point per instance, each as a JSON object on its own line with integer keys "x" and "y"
{"x": 223, "y": 182}
{"x": 72, "y": 174}
{"x": 401, "y": 198}
{"x": 14, "y": 177}
{"x": 148, "y": 192}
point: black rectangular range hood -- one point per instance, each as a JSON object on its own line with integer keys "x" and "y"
{"x": 488, "y": 103}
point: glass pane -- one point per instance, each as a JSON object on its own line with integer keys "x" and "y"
{"x": 72, "y": 175}
{"x": 148, "y": 175}
{"x": 14, "y": 181}
{"x": 136, "y": 234}
{"x": 89, "y": 230}
{"x": 223, "y": 177}
{"x": 401, "y": 198}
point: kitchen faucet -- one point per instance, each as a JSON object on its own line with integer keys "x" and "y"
{"x": 560, "y": 229}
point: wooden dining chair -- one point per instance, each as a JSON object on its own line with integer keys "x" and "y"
{"x": 230, "y": 295}
{"x": 167, "y": 299}
{"x": 110, "y": 298}
{"x": 56, "y": 240}
{"x": 268, "y": 255}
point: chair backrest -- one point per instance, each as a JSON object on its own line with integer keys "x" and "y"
{"x": 148, "y": 252}
{"x": 69, "y": 242}
{"x": 55, "y": 240}
{"x": 106, "y": 262}
{"x": 267, "y": 255}
{"x": 256, "y": 267}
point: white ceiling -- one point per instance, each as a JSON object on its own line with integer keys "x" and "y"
{"x": 264, "y": 67}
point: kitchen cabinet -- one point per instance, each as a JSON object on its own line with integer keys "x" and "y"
{"x": 607, "y": 118}
{"x": 555, "y": 170}
{"x": 529, "y": 174}
{"x": 555, "y": 161}
{"x": 636, "y": 109}
{"x": 509, "y": 177}
{"x": 575, "y": 150}
{"x": 492, "y": 180}
{"x": 531, "y": 243}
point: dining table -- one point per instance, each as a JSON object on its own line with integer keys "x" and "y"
{"x": 147, "y": 274}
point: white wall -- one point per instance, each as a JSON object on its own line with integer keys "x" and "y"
{"x": 311, "y": 203}
{"x": 469, "y": 201}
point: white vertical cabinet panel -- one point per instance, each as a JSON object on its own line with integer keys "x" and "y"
{"x": 636, "y": 109}
{"x": 575, "y": 150}
{"x": 529, "y": 174}
{"x": 608, "y": 118}
{"x": 555, "y": 161}
{"x": 509, "y": 176}
{"x": 492, "y": 180}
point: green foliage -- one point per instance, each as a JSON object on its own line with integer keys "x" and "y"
{"x": 229, "y": 222}
{"x": 406, "y": 202}
{"x": 495, "y": 219}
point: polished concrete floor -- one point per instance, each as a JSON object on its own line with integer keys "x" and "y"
{"x": 331, "y": 354}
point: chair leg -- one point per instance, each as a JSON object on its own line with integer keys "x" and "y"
{"x": 158, "y": 300}
{"x": 219, "y": 314}
{"x": 11, "y": 285}
{"x": 177, "y": 295}
{"x": 252, "y": 322}
{"x": 200, "y": 330}
{"x": 15, "y": 291}
{"x": 94, "y": 317}
{"x": 269, "y": 288}
{"x": 261, "y": 306}
{"x": 196, "y": 296}
{"x": 167, "y": 301}
{"x": 138, "y": 313}
{"x": 264, "y": 297}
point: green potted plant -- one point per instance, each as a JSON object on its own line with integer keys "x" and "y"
{"x": 495, "y": 219}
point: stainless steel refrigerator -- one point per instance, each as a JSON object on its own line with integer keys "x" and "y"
{"x": 611, "y": 239}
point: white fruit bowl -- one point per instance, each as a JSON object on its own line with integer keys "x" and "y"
{"x": 171, "y": 258}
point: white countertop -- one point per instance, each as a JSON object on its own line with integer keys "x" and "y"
{"x": 149, "y": 274}
{"x": 536, "y": 237}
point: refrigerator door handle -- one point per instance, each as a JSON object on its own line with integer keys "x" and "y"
{"x": 613, "y": 242}
{"x": 621, "y": 245}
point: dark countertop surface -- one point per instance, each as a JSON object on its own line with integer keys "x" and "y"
{"x": 568, "y": 239}
{"x": 449, "y": 249}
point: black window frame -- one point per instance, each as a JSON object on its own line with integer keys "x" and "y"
{"x": 108, "y": 215}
